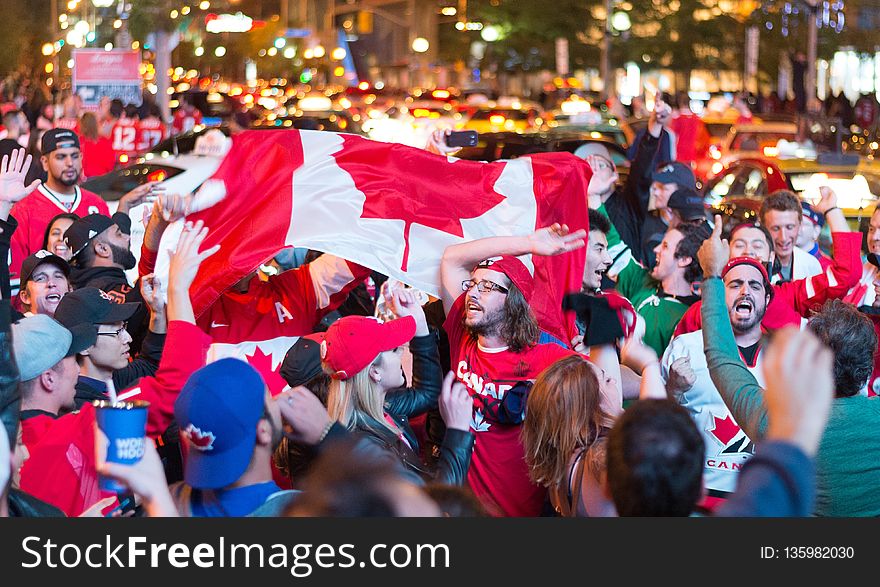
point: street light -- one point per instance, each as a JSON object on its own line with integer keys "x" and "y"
{"x": 490, "y": 34}
{"x": 420, "y": 45}
{"x": 338, "y": 54}
{"x": 319, "y": 52}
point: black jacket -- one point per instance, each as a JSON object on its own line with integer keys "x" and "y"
{"x": 375, "y": 440}
{"x": 402, "y": 404}
{"x": 145, "y": 365}
{"x": 628, "y": 206}
{"x": 23, "y": 505}
{"x": 114, "y": 281}
{"x": 10, "y": 399}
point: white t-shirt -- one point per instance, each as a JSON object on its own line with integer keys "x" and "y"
{"x": 727, "y": 446}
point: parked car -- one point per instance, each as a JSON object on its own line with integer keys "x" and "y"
{"x": 738, "y": 190}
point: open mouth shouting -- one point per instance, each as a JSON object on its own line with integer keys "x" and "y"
{"x": 743, "y": 307}
{"x": 473, "y": 309}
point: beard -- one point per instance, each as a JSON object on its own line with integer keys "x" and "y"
{"x": 123, "y": 256}
{"x": 742, "y": 326}
{"x": 68, "y": 181}
{"x": 489, "y": 325}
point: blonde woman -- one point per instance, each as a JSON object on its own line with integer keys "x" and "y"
{"x": 368, "y": 393}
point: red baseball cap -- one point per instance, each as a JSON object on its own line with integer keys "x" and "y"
{"x": 353, "y": 342}
{"x": 768, "y": 288}
{"x": 515, "y": 270}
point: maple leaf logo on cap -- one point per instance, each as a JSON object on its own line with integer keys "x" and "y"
{"x": 203, "y": 441}
{"x": 105, "y": 295}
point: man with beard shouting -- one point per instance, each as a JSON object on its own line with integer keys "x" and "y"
{"x": 747, "y": 293}
{"x": 494, "y": 352}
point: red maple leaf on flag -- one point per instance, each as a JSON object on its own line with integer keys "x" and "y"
{"x": 725, "y": 429}
{"x": 423, "y": 192}
{"x": 263, "y": 364}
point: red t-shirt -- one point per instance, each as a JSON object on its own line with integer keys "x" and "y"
{"x": 150, "y": 132}
{"x": 692, "y": 138}
{"x": 124, "y": 137}
{"x": 260, "y": 325}
{"x": 97, "y": 157}
{"x": 498, "y": 474}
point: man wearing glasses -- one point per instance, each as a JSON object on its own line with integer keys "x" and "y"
{"x": 493, "y": 341}
{"x": 109, "y": 357}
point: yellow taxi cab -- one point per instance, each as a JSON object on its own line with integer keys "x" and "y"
{"x": 511, "y": 116}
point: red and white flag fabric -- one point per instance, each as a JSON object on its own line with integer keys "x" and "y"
{"x": 385, "y": 206}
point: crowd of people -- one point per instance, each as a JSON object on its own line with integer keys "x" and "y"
{"x": 716, "y": 370}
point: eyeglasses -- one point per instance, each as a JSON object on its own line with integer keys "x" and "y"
{"x": 116, "y": 333}
{"x": 483, "y": 286}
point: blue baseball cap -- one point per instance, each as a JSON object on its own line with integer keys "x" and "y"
{"x": 217, "y": 411}
{"x": 810, "y": 212}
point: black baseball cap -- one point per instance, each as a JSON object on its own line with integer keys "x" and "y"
{"x": 58, "y": 138}
{"x": 688, "y": 203}
{"x": 677, "y": 173}
{"x": 91, "y": 305}
{"x": 84, "y": 229}
{"x": 303, "y": 360}
{"x": 42, "y": 256}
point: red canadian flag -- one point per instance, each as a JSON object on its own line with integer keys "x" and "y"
{"x": 386, "y": 206}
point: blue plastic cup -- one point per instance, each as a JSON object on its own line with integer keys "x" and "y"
{"x": 124, "y": 424}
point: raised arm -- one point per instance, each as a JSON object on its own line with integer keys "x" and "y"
{"x": 780, "y": 480}
{"x": 187, "y": 343}
{"x": 737, "y": 386}
{"x": 458, "y": 260}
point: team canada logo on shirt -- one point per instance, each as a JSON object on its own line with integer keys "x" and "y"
{"x": 203, "y": 441}
{"x": 726, "y": 431}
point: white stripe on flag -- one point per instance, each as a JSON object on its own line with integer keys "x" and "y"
{"x": 327, "y": 209}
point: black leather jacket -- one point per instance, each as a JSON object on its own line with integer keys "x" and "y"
{"x": 10, "y": 400}
{"x": 402, "y": 404}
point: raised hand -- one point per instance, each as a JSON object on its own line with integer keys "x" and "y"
{"x": 13, "y": 171}
{"x": 305, "y": 417}
{"x": 455, "y": 404}
{"x": 827, "y": 200}
{"x": 437, "y": 143}
{"x": 681, "y": 376}
{"x": 151, "y": 291}
{"x": 556, "y": 239}
{"x": 604, "y": 176}
{"x": 135, "y": 197}
{"x": 405, "y": 302}
{"x": 714, "y": 253}
{"x": 145, "y": 478}
{"x": 799, "y": 376}
{"x": 172, "y": 207}
{"x": 186, "y": 258}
